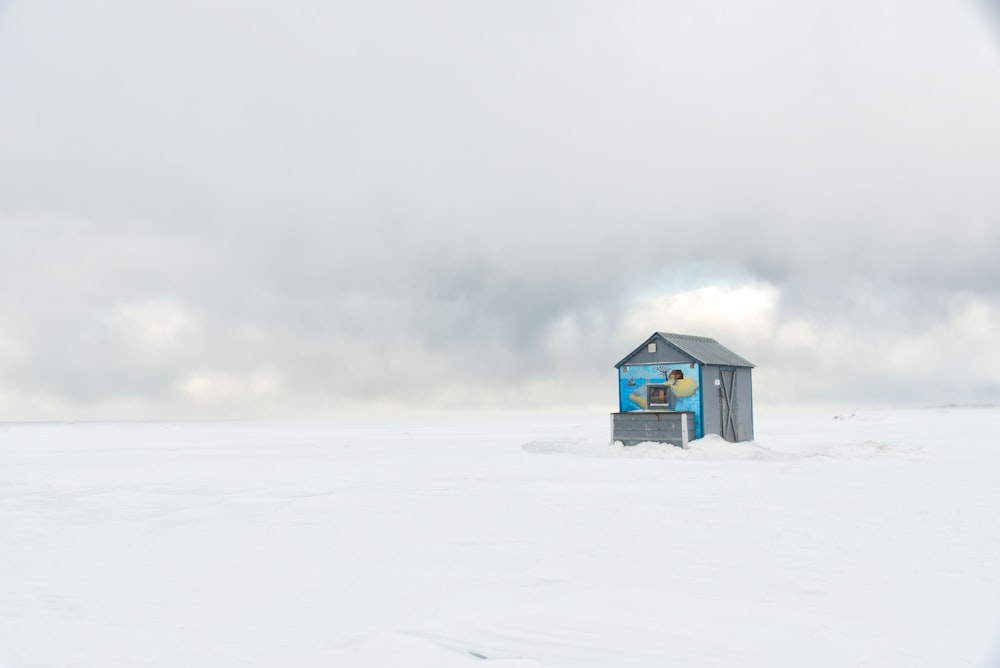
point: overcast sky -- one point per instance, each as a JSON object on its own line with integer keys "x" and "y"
{"x": 226, "y": 209}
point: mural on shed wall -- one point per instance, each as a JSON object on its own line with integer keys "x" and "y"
{"x": 661, "y": 387}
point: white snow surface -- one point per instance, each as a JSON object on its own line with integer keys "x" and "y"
{"x": 868, "y": 539}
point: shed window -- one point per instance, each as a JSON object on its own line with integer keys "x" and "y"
{"x": 651, "y": 347}
{"x": 658, "y": 396}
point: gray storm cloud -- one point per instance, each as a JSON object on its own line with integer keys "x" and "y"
{"x": 245, "y": 208}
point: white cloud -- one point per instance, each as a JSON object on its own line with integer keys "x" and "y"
{"x": 832, "y": 358}
{"x": 156, "y": 327}
{"x": 228, "y": 393}
{"x": 12, "y": 349}
{"x": 393, "y": 200}
{"x": 742, "y": 312}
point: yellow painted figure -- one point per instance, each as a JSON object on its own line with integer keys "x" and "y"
{"x": 680, "y": 386}
{"x": 639, "y": 396}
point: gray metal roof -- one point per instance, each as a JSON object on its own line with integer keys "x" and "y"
{"x": 700, "y": 348}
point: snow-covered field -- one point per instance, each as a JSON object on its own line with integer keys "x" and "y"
{"x": 872, "y": 539}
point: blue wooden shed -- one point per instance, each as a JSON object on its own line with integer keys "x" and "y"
{"x": 677, "y": 387}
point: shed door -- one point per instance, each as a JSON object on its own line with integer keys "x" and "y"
{"x": 727, "y": 392}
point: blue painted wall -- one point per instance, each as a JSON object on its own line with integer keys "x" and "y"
{"x": 684, "y": 381}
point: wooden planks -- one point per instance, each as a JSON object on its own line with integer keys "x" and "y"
{"x": 635, "y": 427}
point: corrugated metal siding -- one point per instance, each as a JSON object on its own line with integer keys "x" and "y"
{"x": 711, "y": 414}
{"x": 740, "y": 405}
{"x": 744, "y": 405}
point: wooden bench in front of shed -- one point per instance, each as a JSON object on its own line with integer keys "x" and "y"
{"x": 656, "y": 426}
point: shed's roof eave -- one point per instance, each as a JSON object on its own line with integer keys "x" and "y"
{"x": 699, "y": 348}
